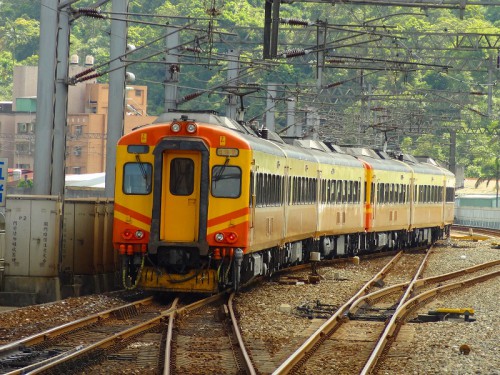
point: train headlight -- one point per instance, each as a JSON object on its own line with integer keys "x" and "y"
{"x": 176, "y": 128}
{"x": 139, "y": 234}
{"x": 191, "y": 128}
{"x": 219, "y": 237}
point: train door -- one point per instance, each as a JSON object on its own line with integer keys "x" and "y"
{"x": 180, "y": 197}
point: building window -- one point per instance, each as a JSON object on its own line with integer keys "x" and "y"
{"x": 23, "y": 148}
{"x": 77, "y": 170}
{"x": 22, "y": 127}
{"x": 77, "y": 151}
{"x": 78, "y": 130}
{"x": 138, "y": 92}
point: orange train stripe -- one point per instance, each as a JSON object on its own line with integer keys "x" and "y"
{"x": 227, "y": 217}
{"x": 136, "y": 215}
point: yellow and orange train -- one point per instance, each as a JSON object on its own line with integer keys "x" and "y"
{"x": 203, "y": 202}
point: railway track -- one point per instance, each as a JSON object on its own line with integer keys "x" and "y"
{"x": 142, "y": 337}
{"x": 207, "y": 340}
{"x": 70, "y": 347}
{"x": 359, "y": 345}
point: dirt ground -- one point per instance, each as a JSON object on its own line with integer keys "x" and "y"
{"x": 470, "y": 188}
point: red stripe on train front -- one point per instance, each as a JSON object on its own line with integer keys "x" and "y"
{"x": 226, "y": 217}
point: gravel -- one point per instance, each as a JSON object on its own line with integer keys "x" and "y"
{"x": 273, "y": 329}
{"x": 20, "y": 323}
{"x": 268, "y": 314}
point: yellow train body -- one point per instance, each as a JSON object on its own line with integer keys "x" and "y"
{"x": 203, "y": 203}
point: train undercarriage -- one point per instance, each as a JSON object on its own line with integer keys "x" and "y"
{"x": 184, "y": 270}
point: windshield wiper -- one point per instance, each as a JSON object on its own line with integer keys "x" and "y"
{"x": 143, "y": 171}
{"x": 218, "y": 176}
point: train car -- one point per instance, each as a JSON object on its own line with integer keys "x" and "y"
{"x": 204, "y": 203}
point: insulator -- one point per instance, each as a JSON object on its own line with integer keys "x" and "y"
{"x": 193, "y": 49}
{"x": 96, "y": 75}
{"x": 84, "y": 73}
{"x": 264, "y": 133}
{"x": 191, "y": 96}
{"x": 174, "y": 68}
{"x": 295, "y": 22}
{"x": 91, "y": 12}
{"x": 294, "y": 53}
{"x": 333, "y": 85}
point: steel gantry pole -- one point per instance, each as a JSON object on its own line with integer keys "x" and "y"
{"x": 45, "y": 97}
{"x": 61, "y": 105}
{"x": 173, "y": 70}
{"x": 116, "y": 99}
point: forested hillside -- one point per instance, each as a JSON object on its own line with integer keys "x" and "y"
{"x": 405, "y": 76}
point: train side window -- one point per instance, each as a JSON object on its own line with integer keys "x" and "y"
{"x": 450, "y": 195}
{"x": 303, "y": 188}
{"x": 339, "y": 191}
{"x": 137, "y": 178}
{"x": 259, "y": 189}
{"x": 226, "y": 181}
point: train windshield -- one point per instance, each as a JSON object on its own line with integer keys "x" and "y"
{"x": 226, "y": 181}
{"x": 137, "y": 178}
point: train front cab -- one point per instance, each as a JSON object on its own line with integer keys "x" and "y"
{"x": 197, "y": 208}
{"x": 200, "y": 210}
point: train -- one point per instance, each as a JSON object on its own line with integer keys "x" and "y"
{"x": 204, "y": 203}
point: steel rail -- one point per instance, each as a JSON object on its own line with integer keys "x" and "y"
{"x": 391, "y": 323}
{"x": 168, "y": 346}
{"x": 371, "y": 297}
{"x": 79, "y": 351}
{"x": 248, "y": 362}
{"x": 409, "y": 306}
{"x": 70, "y": 326}
{"x": 327, "y": 328}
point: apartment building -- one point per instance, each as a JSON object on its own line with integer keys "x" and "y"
{"x": 86, "y": 125}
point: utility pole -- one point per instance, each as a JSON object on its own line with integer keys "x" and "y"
{"x": 116, "y": 98}
{"x": 45, "y": 97}
{"x": 173, "y": 69}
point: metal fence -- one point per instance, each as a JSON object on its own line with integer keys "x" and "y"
{"x": 478, "y": 217}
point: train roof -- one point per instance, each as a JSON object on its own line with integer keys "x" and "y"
{"x": 307, "y": 149}
{"x": 209, "y": 117}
